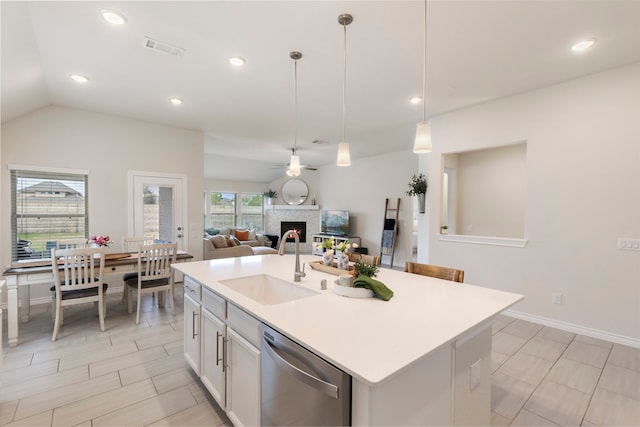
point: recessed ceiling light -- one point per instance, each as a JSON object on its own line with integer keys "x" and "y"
{"x": 236, "y": 61}
{"x": 113, "y": 17}
{"x": 415, "y": 100}
{"x": 583, "y": 45}
{"x": 78, "y": 78}
{"x": 176, "y": 101}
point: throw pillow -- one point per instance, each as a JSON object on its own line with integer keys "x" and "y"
{"x": 252, "y": 235}
{"x": 242, "y": 235}
{"x": 233, "y": 240}
{"x": 219, "y": 241}
{"x": 225, "y": 230}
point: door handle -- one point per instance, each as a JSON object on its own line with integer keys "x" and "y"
{"x": 193, "y": 324}
{"x": 218, "y": 358}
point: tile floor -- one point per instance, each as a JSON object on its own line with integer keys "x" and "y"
{"x": 135, "y": 375}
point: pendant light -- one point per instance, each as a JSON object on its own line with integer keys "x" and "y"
{"x": 344, "y": 159}
{"x": 294, "y": 162}
{"x": 422, "y": 142}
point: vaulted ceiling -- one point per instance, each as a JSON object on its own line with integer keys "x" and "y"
{"x": 476, "y": 51}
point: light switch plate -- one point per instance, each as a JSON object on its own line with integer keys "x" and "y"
{"x": 628, "y": 244}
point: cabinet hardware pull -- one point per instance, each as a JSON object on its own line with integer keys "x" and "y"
{"x": 193, "y": 324}
{"x": 218, "y": 358}
{"x": 224, "y": 354}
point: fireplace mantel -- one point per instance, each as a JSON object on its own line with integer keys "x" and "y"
{"x": 294, "y": 207}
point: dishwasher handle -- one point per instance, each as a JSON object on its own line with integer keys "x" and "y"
{"x": 327, "y": 388}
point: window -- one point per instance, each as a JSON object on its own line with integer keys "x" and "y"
{"x": 221, "y": 210}
{"x": 251, "y": 214}
{"x": 46, "y": 206}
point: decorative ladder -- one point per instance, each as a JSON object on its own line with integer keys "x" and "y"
{"x": 389, "y": 231}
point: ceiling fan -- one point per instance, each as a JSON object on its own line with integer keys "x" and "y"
{"x": 293, "y": 152}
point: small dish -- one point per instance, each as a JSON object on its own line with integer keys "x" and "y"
{"x": 352, "y": 292}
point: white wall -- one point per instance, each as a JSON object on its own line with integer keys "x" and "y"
{"x": 362, "y": 189}
{"x": 583, "y": 192}
{"x": 491, "y": 189}
{"x": 108, "y": 147}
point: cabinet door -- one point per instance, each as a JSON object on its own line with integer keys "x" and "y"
{"x": 243, "y": 381}
{"x": 192, "y": 333}
{"x": 212, "y": 372}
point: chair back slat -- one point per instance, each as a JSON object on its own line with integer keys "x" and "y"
{"x": 436, "y": 271}
{"x": 78, "y": 268}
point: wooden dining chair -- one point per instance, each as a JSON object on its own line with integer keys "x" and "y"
{"x": 154, "y": 275}
{"x": 78, "y": 279}
{"x": 131, "y": 244}
{"x": 445, "y": 273}
{"x": 79, "y": 242}
{"x": 367, "y": 259}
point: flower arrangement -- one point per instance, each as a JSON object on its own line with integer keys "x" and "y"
{"x": 100, "y": 240}
{"x": 270, "y": 194}
{"x": 330, "y": 244}
{"x": 366, "y": 269}
{"x": 417, "y": 185}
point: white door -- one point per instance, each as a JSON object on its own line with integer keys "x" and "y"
{"x": 158, "y": 207}
{"x": 243, "y": 381}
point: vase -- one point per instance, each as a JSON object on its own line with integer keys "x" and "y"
{"x": 327, "y": 258}
{"x": 343, "y": 261}
{"x": 421, "y": 201}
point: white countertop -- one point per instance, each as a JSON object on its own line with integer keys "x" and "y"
{"x": 369, "y": 338}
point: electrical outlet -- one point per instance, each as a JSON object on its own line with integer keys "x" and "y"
{"x": 556, "y": 298}
{"x": 628, "y": 244}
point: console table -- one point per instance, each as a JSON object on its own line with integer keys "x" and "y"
{"x": 319, "y": 238}
{"x": 19, "y": 280}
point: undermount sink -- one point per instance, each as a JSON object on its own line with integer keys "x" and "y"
{"x": 268, "y": 290}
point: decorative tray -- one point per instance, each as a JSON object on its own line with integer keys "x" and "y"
{"x": 319, "y": 265}
{"x": 348, "y": 291}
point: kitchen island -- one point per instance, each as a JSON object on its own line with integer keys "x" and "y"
{"x": 422, "y": 358}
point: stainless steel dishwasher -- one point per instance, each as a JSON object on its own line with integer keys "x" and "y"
{"x": 300, "y": 388}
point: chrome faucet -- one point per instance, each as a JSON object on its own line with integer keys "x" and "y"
{"x": 298, "y": 274}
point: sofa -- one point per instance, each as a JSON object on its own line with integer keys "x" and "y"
{"x": 244, "y": 236}
{"x": 222, "y": 246}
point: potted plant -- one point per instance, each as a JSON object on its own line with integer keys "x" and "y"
{"x": 418, "y": 188}
{"x": 269, "y": 195}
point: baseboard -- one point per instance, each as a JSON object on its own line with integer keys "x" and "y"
{"x": 576, "y": 329}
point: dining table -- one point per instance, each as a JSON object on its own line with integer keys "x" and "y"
{"x": 24, "y": 274}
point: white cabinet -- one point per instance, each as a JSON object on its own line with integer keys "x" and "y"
{"x": 192, "y": 291}
{"x": 222, "y": 346}
{"x": 243, "y": 381}
{"x": 212, "y": 372}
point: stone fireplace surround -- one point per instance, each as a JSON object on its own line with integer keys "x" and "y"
{"x": 273, "y": 218}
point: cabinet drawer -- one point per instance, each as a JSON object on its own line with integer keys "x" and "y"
{"x": 214, "y": 303}
{"x": 243, "y": 323}
{"x": 192, "y": 288}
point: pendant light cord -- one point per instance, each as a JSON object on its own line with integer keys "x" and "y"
{"x": 424, "y": 67}
{"x": 344, "y": 85}
{"x": 295, "y": 105}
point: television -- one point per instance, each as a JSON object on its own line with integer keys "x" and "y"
{"x": 334, "y": 222}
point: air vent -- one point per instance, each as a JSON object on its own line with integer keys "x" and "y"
{"x": 161, "y": 47}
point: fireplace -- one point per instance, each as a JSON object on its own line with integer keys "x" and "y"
{"x": 299, "y": 226}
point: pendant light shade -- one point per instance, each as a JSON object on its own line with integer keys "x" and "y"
{"x": 344, "y": 158}
{"x": 294, "y": 165}
{"x": 422, "y": 143}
